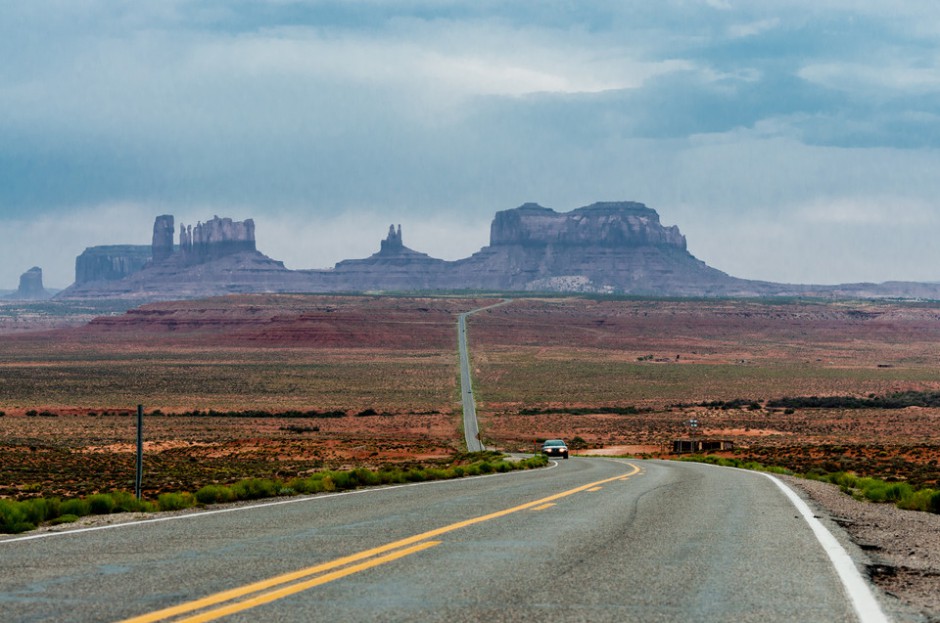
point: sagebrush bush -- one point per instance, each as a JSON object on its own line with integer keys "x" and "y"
{"x": 100, "y": 504}
{"x": 255, "y": 488}
{"x": 125, "y": 502}
{"x": 342, "y": 481}
{"x": 78, "y": 507}
{"x": 365, "y": 477}
{"x": 215, "y": 494}
{"x": 38, "y": 510}
{"x": 175, "y": 501}
{"x": 13, "y": 518}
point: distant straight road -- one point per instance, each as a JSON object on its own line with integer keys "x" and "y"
{"x": 471, "y": 428}
{"x": 590, "y": 539}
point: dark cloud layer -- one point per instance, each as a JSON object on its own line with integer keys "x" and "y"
{"x": 799, "y": 120}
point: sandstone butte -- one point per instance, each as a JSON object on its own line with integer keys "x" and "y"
{"x": 604, "y": 248}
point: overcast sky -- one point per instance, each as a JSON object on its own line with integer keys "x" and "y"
{"x": 789, "y": 140}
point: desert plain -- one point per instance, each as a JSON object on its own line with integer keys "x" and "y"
{"x": 282, "y": 385}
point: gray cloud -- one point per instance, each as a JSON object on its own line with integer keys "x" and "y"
{"x": 311, "y": 116}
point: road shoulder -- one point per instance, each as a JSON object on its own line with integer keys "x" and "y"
{"x": 900, "y": 549}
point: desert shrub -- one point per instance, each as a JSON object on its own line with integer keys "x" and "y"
{"x": 255, "y": 488}
{"x": 38, "y": 510}
{"x": 312, "y": 484}
{"x": 391, "y": 476}
{"x": 214, "y": 494}
{"x": 486, "y": 467}
{"x": 64, "y": 519}
{"x": 297, "y": 484}
{"x": 578, "y": 443}
{"x": 13, "y": 518}
{"x": 295, "y": 428}
{"x": 100, "y": 504}
{"x": 125, "y": 502}
{"x": 175, "y": 501}
{"x": 343, "y": 481}
{"x": 77, "y": 507}
{"x": 415, "y": 475}
{"x": 897, "y": 400}
{"x": 918, "y": 501}
{"x": 364, "y": 477}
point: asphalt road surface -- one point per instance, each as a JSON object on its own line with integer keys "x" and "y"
{"x": 588, "y": 539}
{"x": 470, "y": 426}
{"x": 471, "y": 430}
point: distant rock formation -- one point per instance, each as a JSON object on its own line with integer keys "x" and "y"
{"x": 162, "y": 245}
{"x": 214, "y": 239}
{"x": 215, "y": 257}
{"x": 110, "y": 262}
{"x": 607, "y": 247}
{"x": 611, "y": 247}
{"x": 393, "y": 242}
{"x": 606, "y": 224}
{"x": 31, "y": 288}
{"x": 393, "y": 267}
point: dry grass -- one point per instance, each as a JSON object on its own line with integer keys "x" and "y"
{"x": 397, "y": 356}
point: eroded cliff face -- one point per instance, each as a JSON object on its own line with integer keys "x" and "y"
{"x": 215, "y": 239}
{"x": 605, "y": 247}
{"x": 605, "y": 224}
{"x": 31, "y": 287}
{"x": 610, "y": 247}
{"x": 110, "y": 262}
{"x": 393, "y": 267}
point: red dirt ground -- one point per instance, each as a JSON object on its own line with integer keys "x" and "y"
{"x": 397, "y": 356}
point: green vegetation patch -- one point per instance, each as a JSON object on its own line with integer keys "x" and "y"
{"x": 897, "y": 400}
{"x": 901, "y": 494}
{"x": 22, "y": 516}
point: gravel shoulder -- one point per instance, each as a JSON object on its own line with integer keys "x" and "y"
{"x": 903, "y": 546}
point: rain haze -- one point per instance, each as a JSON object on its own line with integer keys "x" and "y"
{"x": 790, "y": 141}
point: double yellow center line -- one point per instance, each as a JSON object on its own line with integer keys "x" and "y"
{"x": 259, "y": 593}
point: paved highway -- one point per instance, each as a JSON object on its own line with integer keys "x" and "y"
{"x": 470, "y": 427}
{"x": 589, "y": 539}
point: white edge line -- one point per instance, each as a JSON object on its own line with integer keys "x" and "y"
{"x": 863, "y": 600}
{"x": 293, "y": 500}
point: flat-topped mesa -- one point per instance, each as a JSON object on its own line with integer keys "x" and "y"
{"x": 110, "y": 262}
{"x": 608, "y": 224}
{"x": 217, "y": 238}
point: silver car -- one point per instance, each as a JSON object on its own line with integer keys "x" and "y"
{"x": 555, "y": 447}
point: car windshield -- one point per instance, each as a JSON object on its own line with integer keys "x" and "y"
{"x": 553, "y": 443}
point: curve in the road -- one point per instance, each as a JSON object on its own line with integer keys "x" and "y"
{"x": 583, "y": 540}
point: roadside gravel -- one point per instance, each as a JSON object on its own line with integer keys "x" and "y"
{"x": 904, "y": 546}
